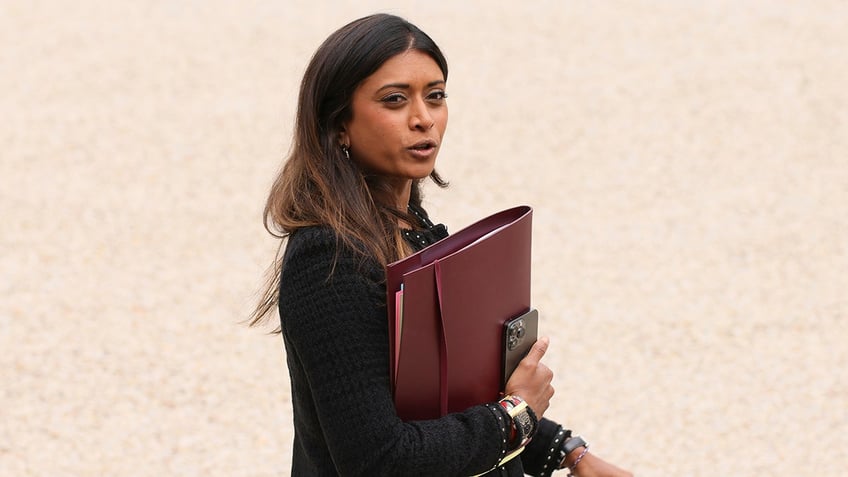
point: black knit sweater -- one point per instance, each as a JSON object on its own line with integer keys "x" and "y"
{"x": 334, "y": 324}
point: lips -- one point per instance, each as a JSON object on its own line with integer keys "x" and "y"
{"x": 425, "y": 145}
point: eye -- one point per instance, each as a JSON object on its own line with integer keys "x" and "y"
{"x": 394, "y": 98}
{"x": 437, "y": 96}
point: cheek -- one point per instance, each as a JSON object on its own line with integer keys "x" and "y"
{"x": 374, "y": 128}
{"x": 442, "y": 124}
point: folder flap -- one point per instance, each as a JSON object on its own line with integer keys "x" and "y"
{"x": 472, "y": 233}
{"x": 454, "y": 242}
{"x": 416, "y": 383}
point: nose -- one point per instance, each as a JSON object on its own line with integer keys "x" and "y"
{"x": 420, "y": 117}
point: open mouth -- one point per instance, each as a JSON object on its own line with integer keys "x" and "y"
{"x": 423, "y": 146}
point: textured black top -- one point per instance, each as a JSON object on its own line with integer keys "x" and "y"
{"x": 335, "y": 330}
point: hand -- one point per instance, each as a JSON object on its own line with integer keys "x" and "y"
{"x": 594, "y": 466}
{"x": 531, "y": 380}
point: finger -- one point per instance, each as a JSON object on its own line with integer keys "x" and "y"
{"x": 545, "y": 373}
{"x": 540, "y": 347}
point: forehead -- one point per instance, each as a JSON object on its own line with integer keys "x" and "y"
{"x": 409, "y": 67}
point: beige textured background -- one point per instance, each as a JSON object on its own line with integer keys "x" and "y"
{"x": 687, "y": 162}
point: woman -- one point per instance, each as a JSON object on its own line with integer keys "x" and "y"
{"x": 371, "y": 116}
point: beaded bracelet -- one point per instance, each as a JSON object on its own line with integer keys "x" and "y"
{"x": 572, "y": 467}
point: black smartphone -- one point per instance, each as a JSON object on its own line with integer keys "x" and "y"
{"x": 519, "y": 335}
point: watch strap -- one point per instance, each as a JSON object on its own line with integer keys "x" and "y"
{"x": 569, "y": 446}
{"x": 524, "y": 420}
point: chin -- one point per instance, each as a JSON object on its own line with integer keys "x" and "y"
{"x": 423, "y": 172}
{"x": 423, "y": 175}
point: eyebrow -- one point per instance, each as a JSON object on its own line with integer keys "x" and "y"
{"x": 407, "y": 86}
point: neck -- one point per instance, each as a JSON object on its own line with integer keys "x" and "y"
{"x": 402, "y": 190}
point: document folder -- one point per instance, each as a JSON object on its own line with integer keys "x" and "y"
{"x": 453, "y": 299}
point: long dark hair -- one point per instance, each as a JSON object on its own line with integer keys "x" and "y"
{"x": 318, "y": 185}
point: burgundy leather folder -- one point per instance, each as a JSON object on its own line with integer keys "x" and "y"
{"x": 457, "y": 295}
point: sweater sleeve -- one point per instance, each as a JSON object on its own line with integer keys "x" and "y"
{"x": 334, "y": 322}
{"x": 540, "y": 456}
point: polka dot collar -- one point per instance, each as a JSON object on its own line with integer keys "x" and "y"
{"x": 427, "y": 235}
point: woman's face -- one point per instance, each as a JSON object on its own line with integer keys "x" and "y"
{"x": 399, "y": 116}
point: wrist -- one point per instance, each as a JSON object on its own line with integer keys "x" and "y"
{"x": 572, "y": 451}
{"x": 524, "y": 420}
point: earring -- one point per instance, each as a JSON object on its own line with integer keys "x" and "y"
{"x": 346, "y": 151}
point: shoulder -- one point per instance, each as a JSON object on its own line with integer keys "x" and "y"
{"x": 319, "y": 253}
{"x": 323, "y": 283}
{"x": 313, "y": 242}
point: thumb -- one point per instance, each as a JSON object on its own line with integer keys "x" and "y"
{"x": 540, "y": 347}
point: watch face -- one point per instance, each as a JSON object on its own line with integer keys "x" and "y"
{"x": 525, "y": 426}
{"x": 525, "y": 422}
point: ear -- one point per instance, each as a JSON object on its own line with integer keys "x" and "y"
{"x": 344, "y": 139}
